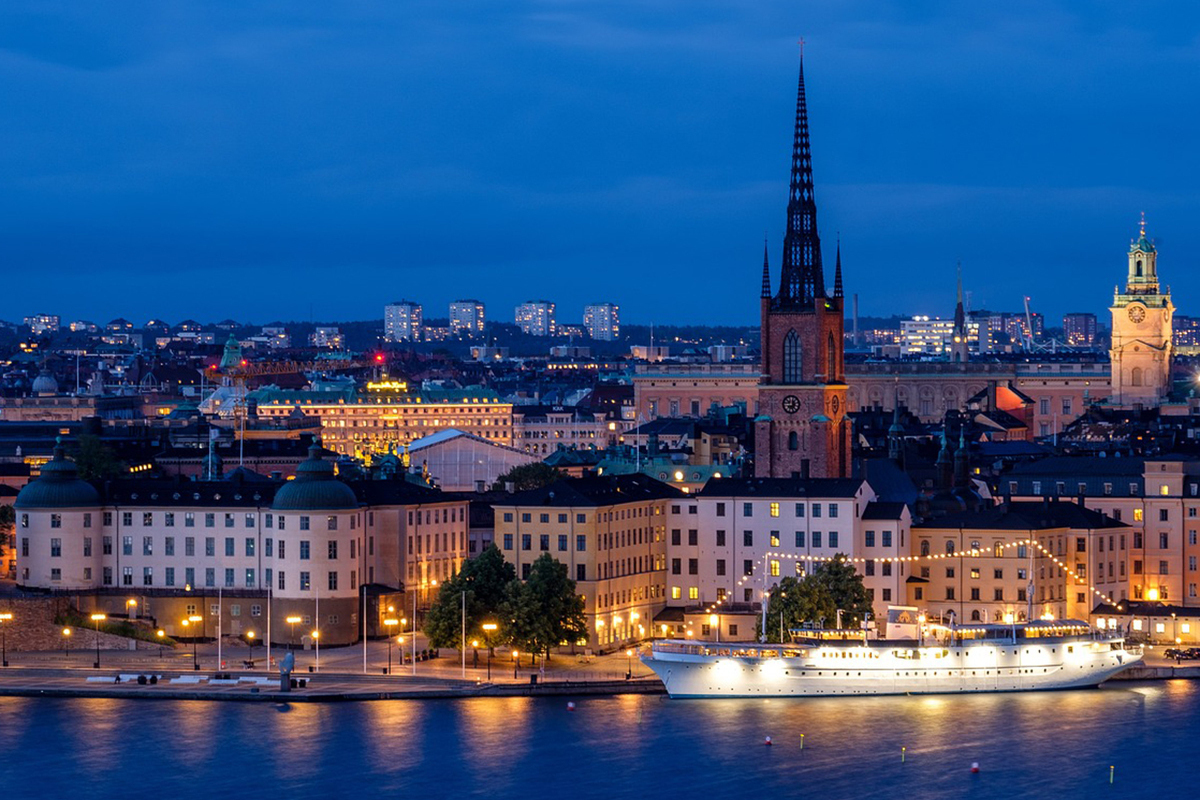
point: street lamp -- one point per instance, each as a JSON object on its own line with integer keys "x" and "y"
{"x": 390, "y": 623}
{"x": 192, "y": 620}
{"x": 4, "y": 617}
{"x": 131, "y": 607}
{"x": 98, "y": 618}
{"x": 489, "y": 629}
{"x": 66, "y": 632}
{"x": 160, "y": 633}
{"x": 292, "y": 620}
{"x": 316, "y": 637}
{"x": 628, "y": 664}
{"x": 516, "y": 661}
{"x": 475, "y": 649}
{"x": 250, "y": 642}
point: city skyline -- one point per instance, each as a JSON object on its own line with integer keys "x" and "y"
{"x": 417, "y": 169}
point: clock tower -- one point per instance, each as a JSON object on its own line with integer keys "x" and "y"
{"x": 802, "y": 429}
{"x": 1141, "y": 331}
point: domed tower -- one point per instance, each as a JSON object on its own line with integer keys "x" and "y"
{"x": 56, "y": 516}
{"x": 44, "y": 385}
{"x": 318, "y": 555}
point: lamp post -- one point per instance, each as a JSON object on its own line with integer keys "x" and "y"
{"x": 4, "y": 617}
{"x": 475, "y": 650}
{"x": 250, "y": 643}
{"x": 389, "y": 623}
{"x": 160, "y": 633}
{"x": 192, "y": 620}
{"x": 628, "y": 664}
{"x": 489, "y": 630}
{"x": 516, "y": 661}
{"x": 98, "y": 618}
{"x": 131, "y": 608}
{"x": 66, "y": 632}
{"x": 316, "y": 637}
{"x": 291, "y": 621}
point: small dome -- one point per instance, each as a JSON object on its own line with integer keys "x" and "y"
{"x": 315, "y": 487}
{"x": 58, "y": 486}
{"x": 44, "y": 383}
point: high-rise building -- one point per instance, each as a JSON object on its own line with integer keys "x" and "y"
{"x": 536, "y": 318}
{"x": 327, "y": 336}
{"x": 466, "y": 317}
{"x": 602, "y": 321}
{"x": 1079, "y": 329}
{"x": 1141, "y": 331}
{"x": 402, "y": 321}
{"x": 802, "y": 429}
{"x": 42, "y": 323}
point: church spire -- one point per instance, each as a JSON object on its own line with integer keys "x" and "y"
{"x": 960, "y": 315}
{"x": 837, "y": 270}
{"x": 766, "y": 281}
{"x": 802, "y": 278}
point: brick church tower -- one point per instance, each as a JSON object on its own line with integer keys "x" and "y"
{"x": 802, "y": 429}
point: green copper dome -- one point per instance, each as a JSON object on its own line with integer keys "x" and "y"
{"x": 58, "y": 486}
{"x": 1142, "y": 244}
{"x": 315, "y": 487}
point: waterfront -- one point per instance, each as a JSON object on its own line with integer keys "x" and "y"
{"x": 1028, "y": 745}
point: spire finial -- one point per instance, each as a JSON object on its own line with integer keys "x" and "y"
{"x": 802, "y": 279}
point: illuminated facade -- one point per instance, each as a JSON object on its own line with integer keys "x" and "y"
{"x": 402, "y": 321}
{"x": 611, "y": 534}
{"x": 1079, "y": 329}
{"x": 1141, "y": 331}
{"x": 466, "y": 317}
{"x": 536, "y": 318}
{"x": 387, "y": 418}
{"x": 602, "y": 321}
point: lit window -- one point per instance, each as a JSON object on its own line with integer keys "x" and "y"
{"x": 1137, "y": 515}
{"x": 693, "y": 593}
{"x": 674, "y": 592}
{"x": 774, "y": 509}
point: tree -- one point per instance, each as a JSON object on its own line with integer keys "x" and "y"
{"x": 845, "y": 587}
{"x": 485, "y": 581}
{"x": 8, "y": 518}
{"x": 544, "y": 611}
{"x": 97, "y": 461}
{"x": 799, "y": 601}
{"x": 529, "y": 476}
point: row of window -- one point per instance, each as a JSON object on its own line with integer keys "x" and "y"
{"x": 189, "y": 547}
{"x": 773, "y": 509}
{"x": 189, "y": 520}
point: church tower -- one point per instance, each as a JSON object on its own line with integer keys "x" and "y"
{"x": 802, "y": 429}
{"x": 1141, "y": 331}
{"x": 959, "y": 349}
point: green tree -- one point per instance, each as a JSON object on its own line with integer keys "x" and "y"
{"x": 545, "y": 610}
{"x": 795, "y": 602}
{"x": 97, "y": 461}
{"x": 8, "y": 518}
{"x": 485, "y": 580}
{"x": 529, "y": 476}
{"x": 845, "y": 587}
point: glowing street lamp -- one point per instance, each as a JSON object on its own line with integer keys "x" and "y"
{"x": 390, "y": 623}
{"x": 316, "y": 637}
{"x": 293, "y": 620}
{"x": 628, "y": 664}
{"x": 489, "y": 629}
{"x": 250, "y": 642}
{"x": 5, "y": 616}
{"x": 131, "y": 607}
{"x": 192, "y": 620}
{"x": 98, "y": 618}
{"x": 160, "y": 633}
{"x": 66, "y": 632}
{"x": 516, "y": 661}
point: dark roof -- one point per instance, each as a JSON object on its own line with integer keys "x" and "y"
{"x": 1025, "y": 516}
{"x": 316, "y": 487}
{"x": 58, "y": 486}
{"x": 1070, "y": 466}
{"x": 184, "y": 493}
{"x": 600, "y": 490}
{"x": 888, "y": 511}
{"x": 782, "y": 487}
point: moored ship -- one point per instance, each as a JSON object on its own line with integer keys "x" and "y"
{"x": 1038, "y": 655}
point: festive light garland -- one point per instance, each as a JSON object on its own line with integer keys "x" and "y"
{"x": 972, "y": 553}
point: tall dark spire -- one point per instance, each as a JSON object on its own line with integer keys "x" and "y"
{"x": 766, "y": 283}
{"x": 802, "y": 279}
{"x": 960, "y": 314}
{"x": 837, "y": 271}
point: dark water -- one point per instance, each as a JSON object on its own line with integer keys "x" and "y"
{"x": 1056, "y": 745}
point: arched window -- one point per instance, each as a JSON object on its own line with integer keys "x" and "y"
{"x": 831, "y": 365}
{"x": 1138, "y": 269}
{"x": 950, "y": 548}
{"x": 925, "y": 547}
{"x": 793, "y": 358}
{"x": 793, "y": 441}
{"x": 975, "y": 616}
{"x": 1135, "y": 376}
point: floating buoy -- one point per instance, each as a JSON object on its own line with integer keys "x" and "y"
{"x": 974, "y": 766}
{"x": 571, "y": 706}
{"x": 767, "y": 741}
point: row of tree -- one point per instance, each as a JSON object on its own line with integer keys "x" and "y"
{"x": 816, "y": 599}
{"x": 533, "y": 615}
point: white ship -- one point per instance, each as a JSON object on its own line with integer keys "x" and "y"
{"x": 1031, "y": 656}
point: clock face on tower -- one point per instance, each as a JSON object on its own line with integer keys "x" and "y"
{"x": 791, "y": 404}
{"x": 1136, "y": 313}
{"x": 834, "y": 404}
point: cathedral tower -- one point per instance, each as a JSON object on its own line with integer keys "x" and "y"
{"x": 1141, "y": 331}
{"x": 802, "y": 429}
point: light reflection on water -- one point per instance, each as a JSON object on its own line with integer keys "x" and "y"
{"x": 1028, "y": 745}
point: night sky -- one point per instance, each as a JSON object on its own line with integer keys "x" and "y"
{"x": 293, "y": 160}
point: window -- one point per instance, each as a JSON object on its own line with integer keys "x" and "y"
{"x": 816, "y": 538}
{"x": 508, "y": 517}
{"x": 55, "y": 548}
{"x": 508, "y": 541}
{"x": 693, "y": 566}
{"x": 127, "y": 518}
{"x": 210, "y": 520}
{"x": 147, "y": 576}
{"x": 693, "y": 593}
{"x": 228, "y": 545}
{"x": 331, "y": 523}
{"x": 304, "y": 523}
{"x": 1080, "y": 544}
{"x": 562, "y": 542}
{"x": 800, "y": 510}
{"x": 833, "y": 509}
{"x": 526, "y": 517}
{"x": 676, "y": 536}
{"x": 189, "y": 576}
{"x": 720, "y": 509}
{"x": 887, "y": 538}
{"x": 543, "y": 518}
{"x": 229, "y": 577}
{"x": 126, "y": 545}
{"x": 127, "y": 576}
{"x": 1162, "y": 541}
{"x": 720, "y": 538}
{"x": 774, "y": 568}
{"x": 305, "y": 549}
{"x": 189, "y": 546}
{"x": 869, "y": 567}
{"x": 747, "y": 567}
{"x": 333, "y": 581}
{"x": 1137, "y": 515}
{"x": 799, "y": 539}
{"x": 869, "y": 538}
{"x": 562, "y": 517}
{"x": 886, "y": 567}
{"x": 250, "y": 546}
{"x": 147, "y": 545}
{"x": 87, "y": 518}
{"x": 210, "y": 546}
{"x": 333, "y": 550}
{"x": 526, "y": 541}
{"x": 833, "y": 538}
{"x": 774, "y": 509}
{"x": 720, "y": 566}
{"x": 676, "y": 566}
{"x": 747, "y": 509}
{"x": 170, "y": 576}
{"x": 87, "y": 547}
{"x": 581, "y": 518}
{"x": 580, "y": 542}
{"x": 793, "y": 358}
{"x": 747, "y": 538}
{"x": 305, "y": 581}
{"x": 580, "y": 572}
{"x": 169, "y": 519}
{"x": 107, "y": 520}
{"x": 544, "y": 542}
{"x": 816, "y": 509}
{"x": 675, "y": 593}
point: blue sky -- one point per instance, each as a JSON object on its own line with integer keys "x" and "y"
{"x": 267, "y": 160}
